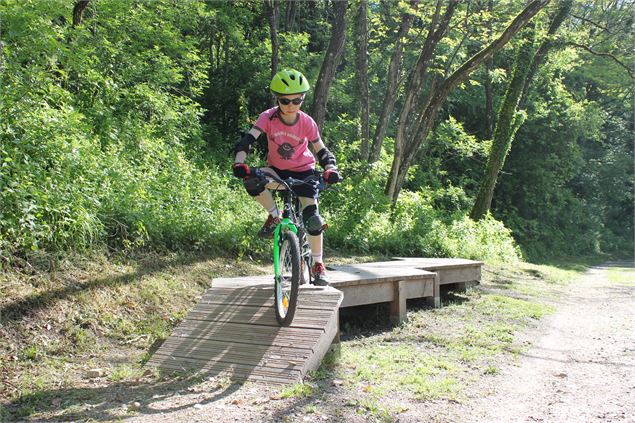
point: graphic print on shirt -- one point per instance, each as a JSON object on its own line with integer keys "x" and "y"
{"x": 285, "y": 149}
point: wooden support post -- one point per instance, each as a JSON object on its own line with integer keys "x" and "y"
{"x": 337, "y": 338}
{"x": 336, "y": 345}
{"x": 398, "y": 304}
{"x": 464, "y": 286}
{"x": 435, "y": 300}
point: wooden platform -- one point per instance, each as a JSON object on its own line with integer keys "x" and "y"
{"x": 450, "y": 270}
{"x": 233, "y": 332}
{"x": 367, "y": 284}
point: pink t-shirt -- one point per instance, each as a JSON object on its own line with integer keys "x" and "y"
{"x": 289, "y": 144}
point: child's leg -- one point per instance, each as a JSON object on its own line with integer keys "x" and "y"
{"x": 265, "y": 198}
{"x": 315, "y": 241}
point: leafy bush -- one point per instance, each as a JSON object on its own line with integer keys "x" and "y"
{"x": 108, "y": 147}
{"x": 361, "y": 219}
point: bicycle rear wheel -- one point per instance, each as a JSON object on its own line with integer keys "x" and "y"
{"x": 288, "y": 280}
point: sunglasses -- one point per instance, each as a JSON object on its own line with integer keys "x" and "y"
{"x": 286, "y": 101}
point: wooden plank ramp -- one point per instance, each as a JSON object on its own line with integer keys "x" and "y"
{"x": 233, "y": 332}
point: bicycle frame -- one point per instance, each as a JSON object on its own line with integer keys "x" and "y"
{"x": 290, "y": 245}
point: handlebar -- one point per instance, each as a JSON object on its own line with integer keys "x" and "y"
{"x": 288, "y": 183}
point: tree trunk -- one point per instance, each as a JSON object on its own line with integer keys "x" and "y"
{"x": 509, "y": 120}
{"x": 362, "y": 71}
{"x": 272, "y": 11}
{"x": 425, "y": 123}
{"x": 330, "y": 63}
{"x": 564, "y": 8}
{"x": 489, "y": 91}
{"x": 392, "y": 85}
{"x": 413, "y": 92}
{"x": 289, "y": 17}
{"x": 507, "y": 123}
{"x": 78, "y": 11}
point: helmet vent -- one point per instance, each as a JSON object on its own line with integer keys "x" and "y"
{"x": 300, "y": 80}
{"x": 292, "y": 76}
{"x": 285, "y": 82}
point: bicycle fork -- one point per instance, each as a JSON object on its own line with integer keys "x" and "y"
{"x": 285, "y": 225}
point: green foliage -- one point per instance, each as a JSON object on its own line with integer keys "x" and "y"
{"x": 361, "y": 219}
{"x": 107, "y": 149}
{"x": 117, "y": 131}
{"x": 567, "y": 150}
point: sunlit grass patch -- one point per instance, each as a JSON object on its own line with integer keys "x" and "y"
{"x": 622, "y": 276}
{"x": 372, "y": 407}
{"x": 298, "y": 390}
{"x": 512, "y": 308}
{"x": 438, "y": 351}
{"x": 383, "y": 367}
{"x": 125, "y": 372}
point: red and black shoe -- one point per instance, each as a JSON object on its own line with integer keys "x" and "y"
{"x": 318, "y": 273}
{"x": 269, "y": 227}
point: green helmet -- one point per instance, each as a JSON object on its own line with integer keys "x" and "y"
{"x": 289, "y": 81}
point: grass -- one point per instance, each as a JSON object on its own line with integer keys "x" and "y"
{"x": 439, "y": 353}
{"x": 432, "y": 354}
{"x": 61, "y": 318}
{"x": 622, "y": 276}
{"x": 104, "y": 312}
{"x": 298, "y": 390}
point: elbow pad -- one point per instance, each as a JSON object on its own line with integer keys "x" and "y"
{"x": 325, "y": 157}
{"x": 244, "y": 144}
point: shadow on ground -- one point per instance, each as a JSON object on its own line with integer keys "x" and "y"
{"x": 111, "y": 402}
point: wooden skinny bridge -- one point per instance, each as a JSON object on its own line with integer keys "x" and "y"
{"x": 232, "y": 331}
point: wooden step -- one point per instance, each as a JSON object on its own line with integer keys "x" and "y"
{"x": 234, "y": 333}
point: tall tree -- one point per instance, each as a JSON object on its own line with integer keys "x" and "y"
{"x": 289, "y": 16}
{"x": 392, "y": 82}
{"x": 507, "y": 123}
{"x": 78, "y": 11}
{"x": 272, "y": 7}
{"x": 489, "y": 67}
{"x": 437, "y": 96}
{"x": 509, "y": 119}
{"x": 549, "y": 42}
{"x": 330, "y": 63}
{"x": 362, "y": 71}
{"x": 437, "y": 29}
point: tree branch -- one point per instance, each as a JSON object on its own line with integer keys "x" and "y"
{"x": 582, "y": 18}
{"x": 609, "y": 55}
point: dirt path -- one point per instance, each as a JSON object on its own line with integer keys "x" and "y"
{"x": 581, "y": 367}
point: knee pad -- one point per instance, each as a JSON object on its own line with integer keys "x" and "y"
{"x": 313, "y": 222}
{"x": 254, "y": 185}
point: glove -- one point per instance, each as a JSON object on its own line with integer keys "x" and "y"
{"x": 332, "y": 176}
{"x": 241, "y": 170}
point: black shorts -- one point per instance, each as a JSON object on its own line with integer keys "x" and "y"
{"x": 308, "y": 190}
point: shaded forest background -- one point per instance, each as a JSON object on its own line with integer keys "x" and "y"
{"x": 482, "y": 129}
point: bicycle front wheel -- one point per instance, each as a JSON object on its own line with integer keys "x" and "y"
{"x": 288, "y": 279}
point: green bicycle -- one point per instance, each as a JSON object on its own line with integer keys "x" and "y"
{"x": 291, "y": 250}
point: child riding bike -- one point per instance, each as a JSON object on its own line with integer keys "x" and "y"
{"x": 289, "y": 133}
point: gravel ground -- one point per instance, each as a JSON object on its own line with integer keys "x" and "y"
{"x": 580, "y": 368}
